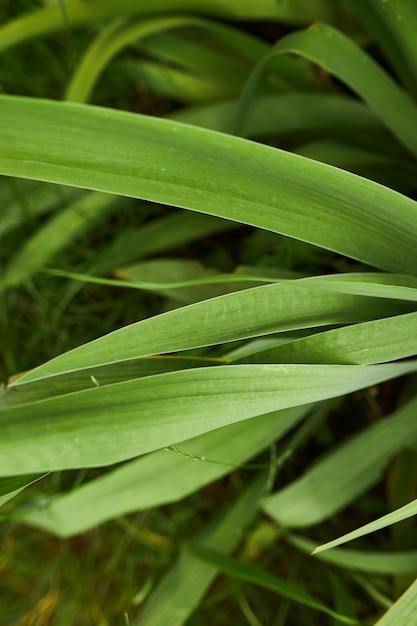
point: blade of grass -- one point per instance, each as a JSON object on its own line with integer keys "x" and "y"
{"x": 362, "y": 344}
{"x": 399, "y": 515}
{"x": 128, "y": 154}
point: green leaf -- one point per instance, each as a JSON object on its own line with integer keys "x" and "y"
{"x": 290, "y": 305}
{"x": 127, "y": 154}
{"x": 340, "y": 56}
{"x": 393, "y": 25}
{"x": 403, "y": 612}
{"x": 360, "y": 344}
{"x": 109, "y": 424}
{"x": 161, "y": 477}
{"x": 399, "y": 515}
{"x": 12, "y": 486}
{"x": 255, "y": 575}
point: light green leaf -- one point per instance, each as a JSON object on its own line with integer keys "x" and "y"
{"x": 291, "y": 305}
{"x": 360, "y": 344}
{"x": 109, "y": 424}
{"x": 167, "y": 162}
{"x": 399, "y": 515}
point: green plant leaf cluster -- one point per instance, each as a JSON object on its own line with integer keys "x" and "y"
{"x": 209, "y": 236}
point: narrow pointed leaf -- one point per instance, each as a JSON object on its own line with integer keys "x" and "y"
{"x": 291, "y": 305}
{"x": 409, "y": 510}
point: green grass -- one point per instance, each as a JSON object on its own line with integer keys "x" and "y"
{"x": 208, "y": 314}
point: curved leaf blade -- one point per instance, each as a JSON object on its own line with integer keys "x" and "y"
{"x": 171, "y": 163}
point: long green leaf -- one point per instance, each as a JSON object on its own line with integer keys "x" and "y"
{"x": 360, "y": 344}
{"x": 108, "y": 424}
{"x": 291, "y": 305}
{"x": 171, "y": 163}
